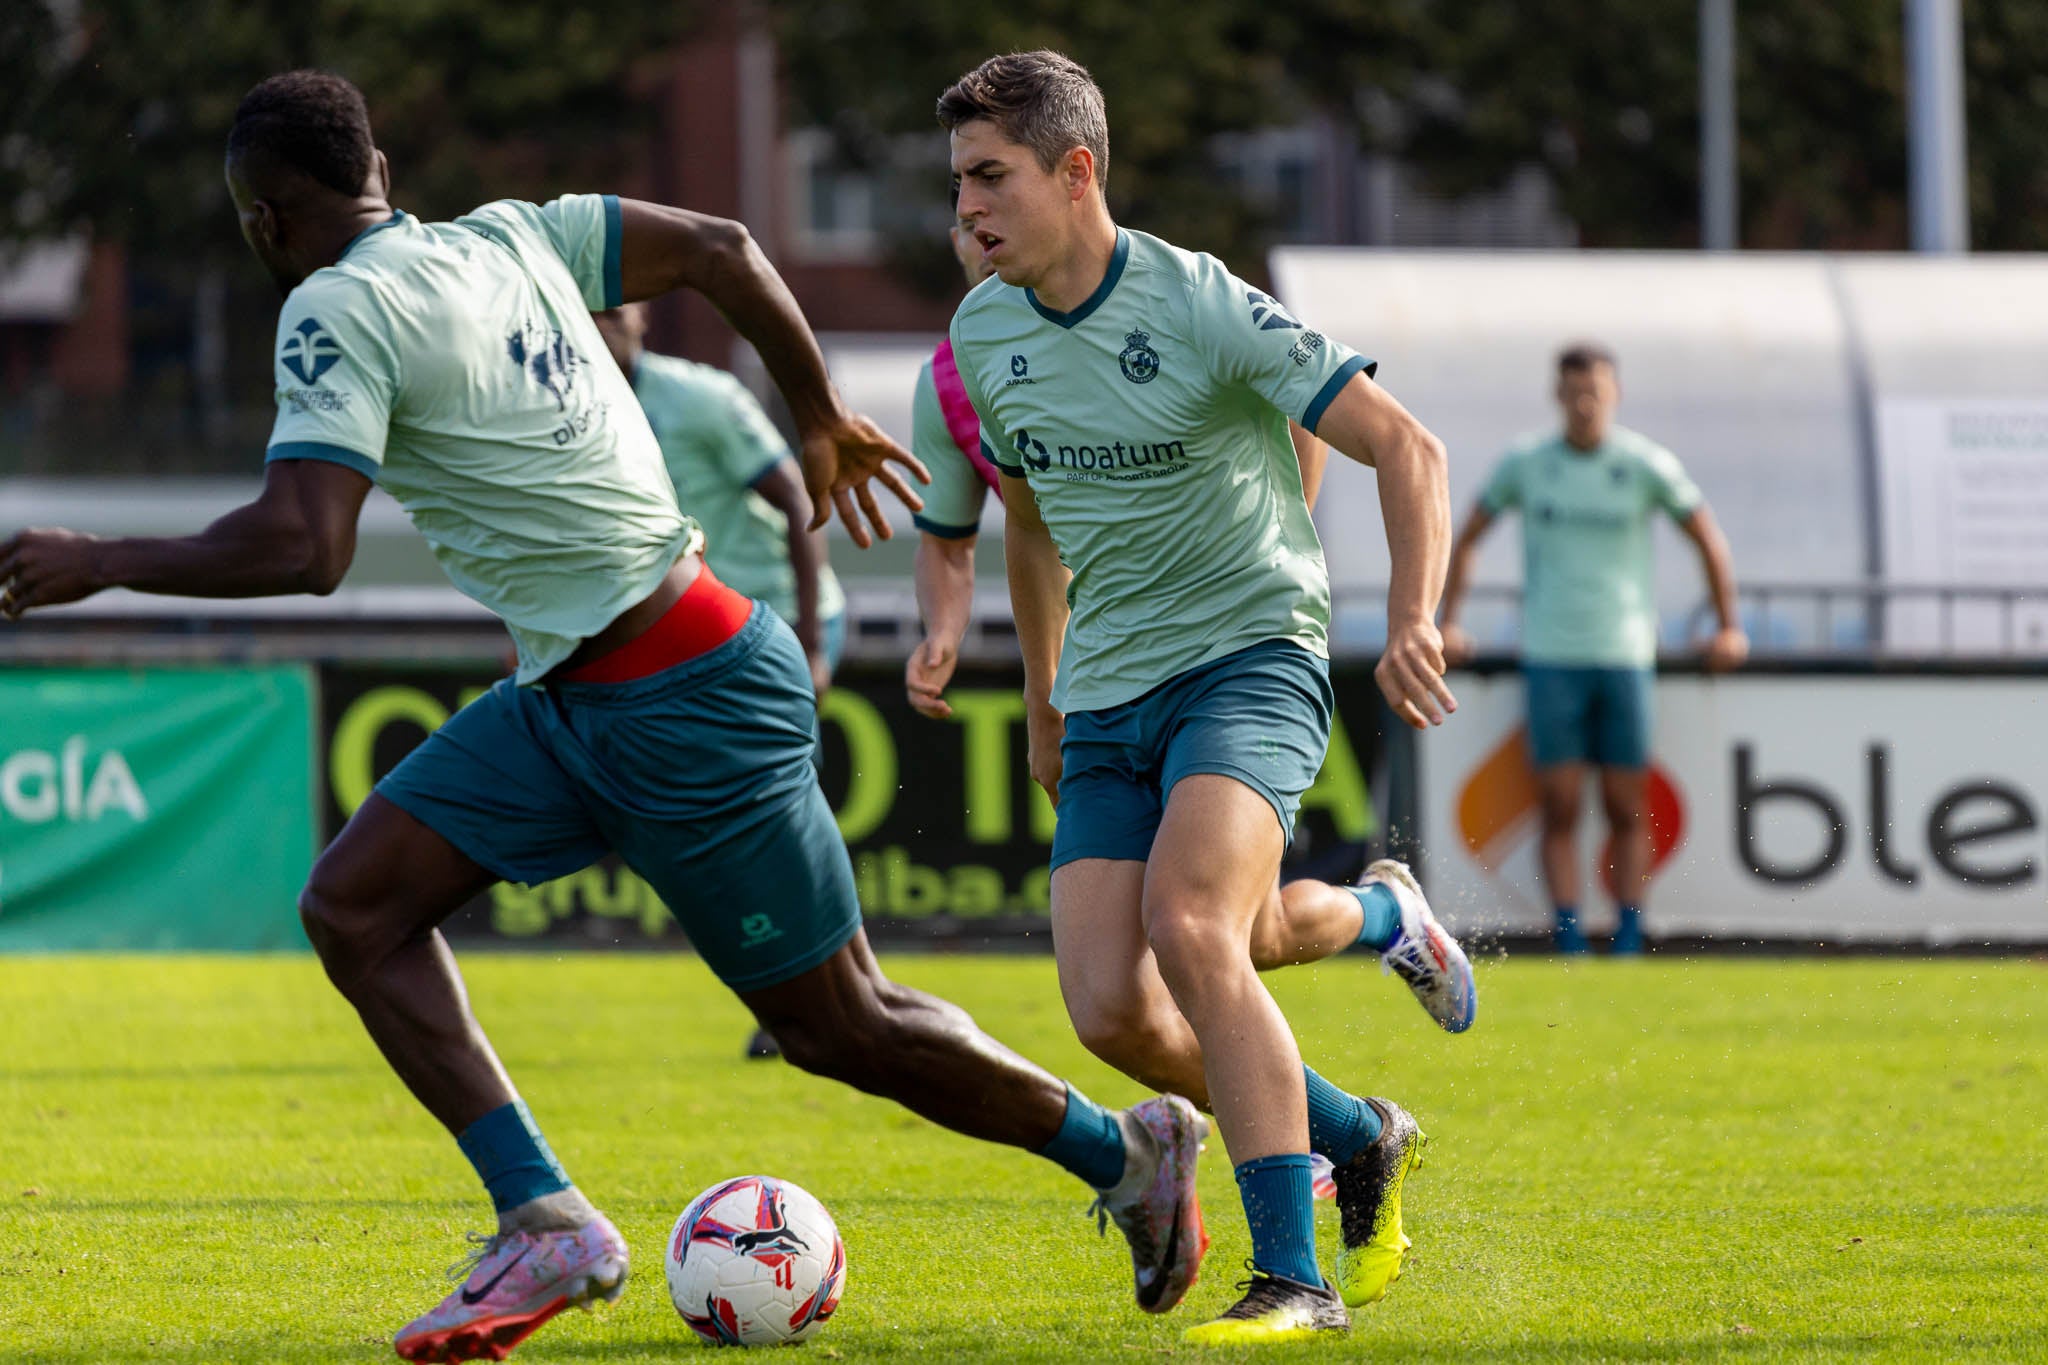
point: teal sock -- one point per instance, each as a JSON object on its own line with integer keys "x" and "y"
{"x": 1340, "y": 1126}
{"x": 1382, "y": 916}
{"x": 1090, "y": 1142}
{"x": 1279, "y": 1203}
{"x": 512, "y": 1157}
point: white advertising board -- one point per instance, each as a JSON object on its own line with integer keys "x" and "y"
{"x": 1847, "y": 808}
{"x": 1965, "y": 489}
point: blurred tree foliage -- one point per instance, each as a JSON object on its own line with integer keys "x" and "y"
{"x": 1601, "y": 93}
{"x": 116, "y": 111}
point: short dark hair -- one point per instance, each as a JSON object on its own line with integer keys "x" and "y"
{"x": 1044, "y": 100}
{"x": 309, "y": 121}
{"x": 1581, "y": 356}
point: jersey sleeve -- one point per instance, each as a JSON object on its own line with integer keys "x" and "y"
{"x": 1671, "y": 488}
{"x": 582, "y": 229}
{"x": 1248, "y": 337}
{"x": 1504, "y": 486}
{"x": 336, "y": 378}
{"x": 953, "y": 499}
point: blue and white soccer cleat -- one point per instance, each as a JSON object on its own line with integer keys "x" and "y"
{"x": 1423, "y": 954}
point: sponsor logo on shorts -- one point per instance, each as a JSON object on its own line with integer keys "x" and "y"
{"x": 756, "y": 930}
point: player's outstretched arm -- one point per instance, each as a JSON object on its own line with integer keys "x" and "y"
{"x": 1730, "y": 645}
{"x": 663, "y": 249}
{"x": 1365, "y": 422}
{"x": 1038, "y": 601}
{"x": 298, "y": 536}
{"x": 1458, "y": 645}
{"x": 945, "y": 601}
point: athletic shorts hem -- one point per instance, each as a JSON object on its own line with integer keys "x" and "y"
{"x": 1109, "y": 850}
{"x": 430, "y": 813}
{"x": 1282, "y": 809}
{"x": 794, "y": 967}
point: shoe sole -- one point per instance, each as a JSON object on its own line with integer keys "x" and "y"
{"x": 1358, "y": 1297}
{"x": 496, "y": 1338}
{"x": 1190, "y": 1129}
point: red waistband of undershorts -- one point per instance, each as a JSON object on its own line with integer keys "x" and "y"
{"x": 707, "y": 615}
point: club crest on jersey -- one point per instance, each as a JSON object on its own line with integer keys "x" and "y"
{"x": 548, "y": 358}
{"x": 309, "y": 351}
{"x": 1139, "y": 361}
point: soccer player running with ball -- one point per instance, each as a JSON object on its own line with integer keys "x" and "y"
{"x": 1136, "y": 398}
{"x": 655, "y": 712}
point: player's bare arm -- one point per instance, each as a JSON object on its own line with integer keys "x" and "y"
{"x": 664, "y": 249}
{"x": 1730, "y": 645}
{"x": 782, "y": 488}
{"x": 945, "y": 602}
{"x": 1459, "y": 646}
{"x": 1368, "y": 424}
{"x": 1313, "y": 457}
{"x": 1038, "y": 601}
{"x": 298, "y": 536}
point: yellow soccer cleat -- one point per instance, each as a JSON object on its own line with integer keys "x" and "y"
{"x": 1272, "y": 1310}
{"x": 1369, "y": 1201}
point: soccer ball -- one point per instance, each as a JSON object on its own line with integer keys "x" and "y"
{"x": 755, "y": 1262}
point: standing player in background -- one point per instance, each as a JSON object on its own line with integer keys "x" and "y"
{"x": 1589, "y": 622}
{"x": 656, "y": 713}
{"x": 735, "y": 473}
{"x": 1136, "y": 399}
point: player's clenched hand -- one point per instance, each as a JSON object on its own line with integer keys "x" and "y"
{"x": 1728, "y": 649}
{"x": 1411, "y": 675}
{"x": 840, "y": 460}
{"x": 47, "y": 568}
{"x": 926, "y": 675}
{"x": 1045, "y": 728}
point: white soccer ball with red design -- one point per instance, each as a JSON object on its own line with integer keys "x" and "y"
{"x": 755, "y": 1262}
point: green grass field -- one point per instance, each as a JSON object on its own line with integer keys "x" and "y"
{"x": 205, "y": 1160}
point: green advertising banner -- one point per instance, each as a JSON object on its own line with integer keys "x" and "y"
{"x": 154, "y": 808}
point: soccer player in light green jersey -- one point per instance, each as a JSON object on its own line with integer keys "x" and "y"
{"x": 735, "y": 473}
{"x": 1587, "y": 494}
{"x": 656, "y": 713}
{"x": 1172, "y": 607}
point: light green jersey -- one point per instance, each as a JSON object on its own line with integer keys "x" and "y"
{"x": 954, "y": 498}
{"x": 456, "y": 364}
{"x": 1151, "y": 424}
{"x": 717, "y": 444}
{"x": 1589, "y": 594}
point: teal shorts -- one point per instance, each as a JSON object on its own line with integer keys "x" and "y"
{"x": 1260, "y": 715}
{"x": 699, "y": 777}
{"x": 1587, "y": 714}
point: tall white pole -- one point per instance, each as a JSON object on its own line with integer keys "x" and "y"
{"x": 1938, "y": 179}
{"x": 1719, "y": 190}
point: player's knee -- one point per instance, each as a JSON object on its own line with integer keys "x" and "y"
{"x": 1560, "y": 812}
{"x": 1118, "y": 1030}
{"x": 1192, "y": 943}
{"x": 1624, "y": 816}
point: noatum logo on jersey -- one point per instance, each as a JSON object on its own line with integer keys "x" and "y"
{"x": 1110, "y": 457}
{"x": 309, "y": 351}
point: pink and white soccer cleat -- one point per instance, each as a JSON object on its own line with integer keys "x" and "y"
{"x": 1163, "y": 1223}
{"x": 516, "y": 1283}
{"x": 1423, "y": 954}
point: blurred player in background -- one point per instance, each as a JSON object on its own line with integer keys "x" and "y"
{"x": 1589, "y": 621}
{"x": 736, "y": 474}
{"x": 656, "y": 713}
{"x": 1136, "y": 399}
